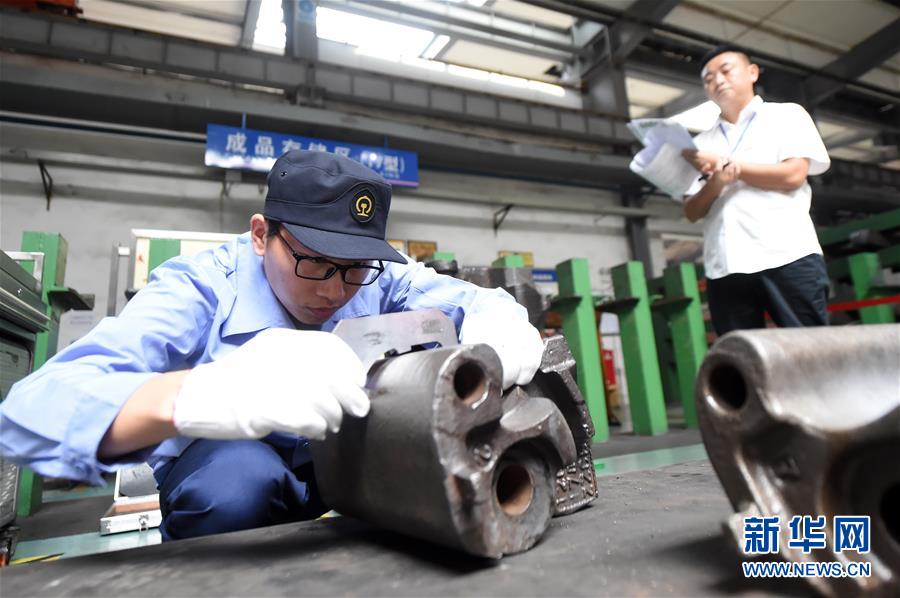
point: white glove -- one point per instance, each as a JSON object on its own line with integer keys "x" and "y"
{"x": 516, "y": 341}
{"x": 281, "y": 380}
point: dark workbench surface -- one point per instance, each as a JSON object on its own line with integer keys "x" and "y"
{"x": 652, "y": 532}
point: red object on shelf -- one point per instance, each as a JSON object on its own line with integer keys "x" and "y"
{"x": 609, "y": 366}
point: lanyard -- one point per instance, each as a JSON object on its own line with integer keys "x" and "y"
{"x": 741, "y": 138}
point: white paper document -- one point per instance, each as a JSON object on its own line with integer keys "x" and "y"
{"x": 661, "y": 162}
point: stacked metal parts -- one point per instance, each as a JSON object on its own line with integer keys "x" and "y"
{"x": 518, "y": 282}
{"x": 445, "y": 456}
{"x": 807, "y": 422}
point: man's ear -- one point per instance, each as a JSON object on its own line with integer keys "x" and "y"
{"x": 259, "y": 233}
{"x": 754, "y": 72}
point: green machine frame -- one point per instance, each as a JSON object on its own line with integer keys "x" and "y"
{"x": 864, "y": 272}
{"x": 57, "y": 300}
{"x": 680, "y": 307}
{"x": 509, "y": 261}
{"x": 868, "y": 245}
{"x": 645, "y": 390}
{"x": 575, "y": 304}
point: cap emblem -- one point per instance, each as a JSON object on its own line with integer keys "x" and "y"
{"x": 363, "y": 208}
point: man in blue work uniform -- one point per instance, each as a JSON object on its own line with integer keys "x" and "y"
{"x": 221, "y": 368}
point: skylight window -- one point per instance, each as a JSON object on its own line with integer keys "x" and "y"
{"x": 385, "y": 40}
{"x": 372, "y": 36}
{"x": 270, "y": 32}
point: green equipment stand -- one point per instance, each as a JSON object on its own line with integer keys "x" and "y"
{"x": 632, "y": 305}
{"x": 509, "y": 261}
{"x": 681, "y": 307}
{"x": 50, "y": 252}
{"x": 865, "y": 273}
{"x": 576, "y": 306}
{"x": 440, "y": 256}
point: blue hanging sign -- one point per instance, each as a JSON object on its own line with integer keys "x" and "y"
{"x": 543, "y": 275}
{"x": 247, "y": 149}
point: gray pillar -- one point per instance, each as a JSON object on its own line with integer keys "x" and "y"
{"x": 636, "y": 229}
{"x": 300, "y": 26}
{"x": 603, "y": 82}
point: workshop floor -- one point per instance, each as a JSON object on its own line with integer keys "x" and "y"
{"x": 67, "y": 525}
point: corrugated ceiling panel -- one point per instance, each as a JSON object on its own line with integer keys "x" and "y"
{"x": 532, "y": 13}
{"x": 746, "y": 9}
{"x": 650, "y": 93}
{"x": 842, "y": 22}
{"x": 882, "y": 78}
{"x": 700, "y": 21}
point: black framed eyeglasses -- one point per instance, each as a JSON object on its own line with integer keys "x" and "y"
{"x": 319, "y": 268}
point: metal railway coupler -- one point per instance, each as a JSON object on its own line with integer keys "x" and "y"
{"x": 806, "y": 422}
{"x": 445, "y": 455}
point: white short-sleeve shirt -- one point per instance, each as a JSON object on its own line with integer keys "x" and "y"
{"x": 748, "y": 229}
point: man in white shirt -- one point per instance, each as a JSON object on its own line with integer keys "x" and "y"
{"x": 760, "y": 250}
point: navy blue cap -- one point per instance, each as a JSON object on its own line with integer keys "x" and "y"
{"x": 334, "y": 205}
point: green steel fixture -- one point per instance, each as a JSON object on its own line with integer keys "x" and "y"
{"x": 440, "y": 256}
{"x": 509, "y": 261}
{"x": 576, "y": 306}
{"x": 632, "y": 305}
{"x": 865, "y": 273}
{"x": 882, "y": 223}
{"x": 57, "y": 299}
{"x": 665, "y": 344}
{"x": 681, "y": 307}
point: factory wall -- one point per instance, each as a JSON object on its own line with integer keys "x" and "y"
{"x": 96, "y": 208}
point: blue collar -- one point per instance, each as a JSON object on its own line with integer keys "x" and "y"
{"x": 255, "y": 305}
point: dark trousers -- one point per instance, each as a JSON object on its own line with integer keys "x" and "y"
{"x": 220, "y": 486}
{"x": 795, "y": 294}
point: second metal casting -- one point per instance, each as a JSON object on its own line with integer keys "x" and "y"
{"x": 443, "y": 455}
{"x": 807, "y": 422}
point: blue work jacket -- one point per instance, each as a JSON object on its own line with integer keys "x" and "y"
{"x": 193, "y": 310}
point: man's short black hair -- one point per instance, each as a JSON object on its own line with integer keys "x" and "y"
{"x": 272, "y": 227}
{"x": 722, "y": 49}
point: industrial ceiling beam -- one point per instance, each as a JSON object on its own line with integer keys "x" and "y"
{"x": 677, "y": 61}
{"x": 579, "y": 10}
{"x": 248, "y": 29}
{"x": 606, "y": 48}
{"x": 694, "y": 44}
{"x": 862, "y": 58}
{"x": 74, "y": 90}
{"x": 846, "y": 138}
{"x": 301, "y": 41}
{"x": 42, "y": 35}
{"x": 637, "y": 24}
